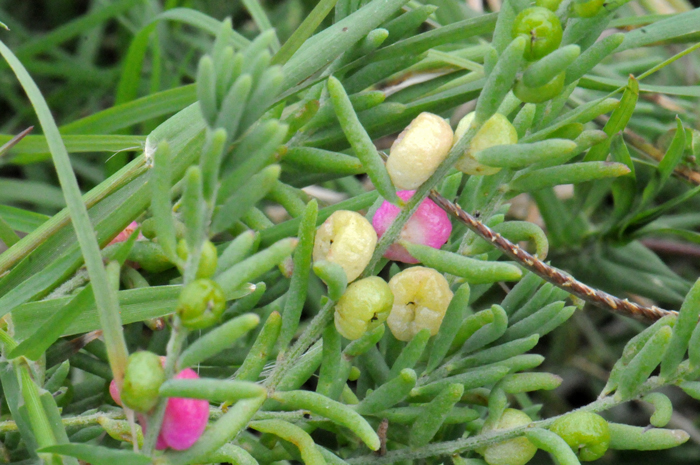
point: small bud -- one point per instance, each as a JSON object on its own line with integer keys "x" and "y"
{"x": 421, "y": 297}
{"x": 497, "y": 130}
{"x": 143, "y": 376}
{"x": 364, "y": 306}
{"x": 587, "y": 8}
{"x": 517, "y": 451}
{"x": 208, "y": 258}
{"x": 419, "y": 150}
{"x": 201, "y": 304}
{"x": 184, "y": 420}
{"x": 551, "y": 5}
{"x": 346, "y": 238}
{"x": 542, "y": 93}
{"x": 586, "y": 433}
{"x": 429, "y": 225}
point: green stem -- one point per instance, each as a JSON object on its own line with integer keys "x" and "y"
{"x": 214, "y": 414}
{"x": 35, "y": 410}
{"x": 28, "y": 243}
{"x": 308, "y": 337}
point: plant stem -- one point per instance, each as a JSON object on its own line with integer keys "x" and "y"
{"x": 462, "y": 445}
{"x": 214, "y": 414}
{"x": 308, "y": 337}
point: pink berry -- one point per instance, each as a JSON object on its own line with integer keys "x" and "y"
{"x": 126, "y": 233}
{"x": 429, "y": 226}
{"x": 114, "y": 392}
{"x": 185, "y": 419}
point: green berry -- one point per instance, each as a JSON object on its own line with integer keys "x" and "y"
{"x": 143, "y": 376}
{"x": 586, "y": 433}
{"x": 543, "y": 29}
{"x": 208, "y": 259}
{"x": 542, "y": 93}
{"x": 365, "y": 305}
{"x": 587, "y": 8}
{"x": 201, "y": 304}
{"x": 551, "y": 5}
{"x": 517, "y": 451}
{"x": 148, "y": 228}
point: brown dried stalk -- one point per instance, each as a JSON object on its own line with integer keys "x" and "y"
{"x": 549, "y": 273}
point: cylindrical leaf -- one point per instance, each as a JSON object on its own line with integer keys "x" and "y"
{"x": 361, "y": 142}
{"x": 217, "y": 340}
{"x": 473, "y": 271}
{"x": 334, "y": 411}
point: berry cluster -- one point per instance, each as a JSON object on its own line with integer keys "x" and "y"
{"x": 184, "y": 420}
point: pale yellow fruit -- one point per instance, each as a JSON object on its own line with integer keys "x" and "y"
{"x": 419, "y": 150}
{"x": 348, "y": 239}
{"x": 517, "y": 451}
{"x": 421, "y": 297}
{"x": 497, "y": 130}
{"x": 364, "y": 306}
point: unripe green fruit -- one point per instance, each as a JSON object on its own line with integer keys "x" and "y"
{"x": 542, "y": 93}
{"x": 587, "y": 9}
{"x": 364, "y": 306}
{"x": 586, "y": 433}
{"x": 208, "y": 259}
{"x": 143, "y": 376}
{"x": 551, "y": 5}
{"x": 517, "y": 451}
{"x": 497, "y": 130}
{"x": 201, "y": 304}
{"x": 543, "y": 29}
{"x": 148, "y": 228}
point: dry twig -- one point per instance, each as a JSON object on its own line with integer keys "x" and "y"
{"x": 548, "y": 273}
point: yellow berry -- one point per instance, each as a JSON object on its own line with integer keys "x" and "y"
{"x": 348, "y": 239}
{"x": 364, "y": 306}
{"x": 419, "y": 150}
{"x": 421, "y": 297}
{"x": 497, "y": 130}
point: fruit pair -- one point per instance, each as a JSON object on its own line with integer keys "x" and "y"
{"x": 184, "y": 420}
{"x": 414, "y": 299}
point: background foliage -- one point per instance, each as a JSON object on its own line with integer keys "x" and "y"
{"x": 119, "y": 76}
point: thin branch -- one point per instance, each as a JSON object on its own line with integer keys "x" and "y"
{"x": 672, "y": 248}
{"x": 492, "y": 437}
{"x": 548, "y": 273}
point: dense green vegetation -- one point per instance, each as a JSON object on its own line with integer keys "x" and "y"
{"x": 220, "y": 247}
